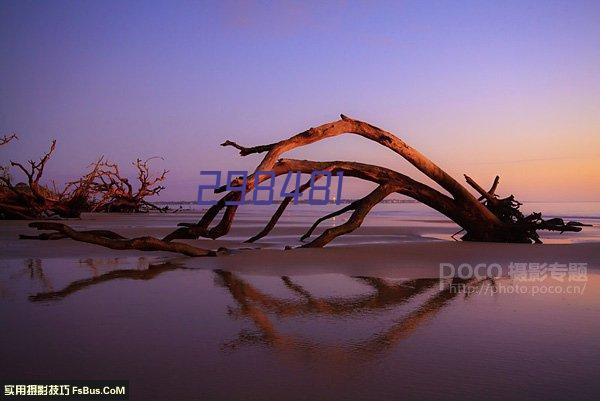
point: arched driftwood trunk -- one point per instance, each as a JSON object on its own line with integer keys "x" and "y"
{"x": 484, "y": 217}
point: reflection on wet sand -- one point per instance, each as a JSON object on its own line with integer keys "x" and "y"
{"x": 33, "y": 268}
{"x": 149, "y": 273}
{"x": 255, "y": 305}
{"x": 259, "y": 307}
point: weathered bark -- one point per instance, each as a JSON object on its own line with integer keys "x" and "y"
{"x": 519, "y": 228}
{"x": 34, "y": 200}
{"x": 376, "y": 174}
{"x": 114, "y": 241}
{"x": 103, "y": 188}
{"x": 116, "y": 193}
{"x": 361, "y": 208}
{"x": 496, "y": 220}
{"x": 275, "y": 218}
{"x": 488, "y": 218}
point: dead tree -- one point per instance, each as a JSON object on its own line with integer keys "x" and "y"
{"x": 115, "y": 192}
{"x": 484, "y": 217}
{"x": 7, "y": 138}
{"x": 103, "y": 188}
{"x": 5, "y": 178}
{"x": 35, "y": 200}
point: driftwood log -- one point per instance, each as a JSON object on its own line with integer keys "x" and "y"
{"x": 113, "y": 240}
{"x": 102, "y": 189}
{"x": 488, "y": 218}
{"x": 482, "y": 217}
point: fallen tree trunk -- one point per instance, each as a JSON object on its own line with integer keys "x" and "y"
{"x": 495, "y": 220}
{"x": 483, "y": 218}
{"x": 113, "y": 240}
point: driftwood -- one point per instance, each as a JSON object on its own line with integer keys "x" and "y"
{"x": 35, "y": 200}
{"x": 275, "y": 218}
{"x": 116, "y": 193}
{"x": 484, "y": 217}
{"x": 488, "y": 218}
{"x": 113, "y": 240}
{"x": 103, "y": 188}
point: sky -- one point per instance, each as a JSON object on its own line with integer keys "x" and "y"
{"x": 484, "y": 88}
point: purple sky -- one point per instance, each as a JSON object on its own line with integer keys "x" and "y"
{"x": 480, "y": 87}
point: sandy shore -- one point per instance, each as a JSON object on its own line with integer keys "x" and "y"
{"x": 408, "y": 249}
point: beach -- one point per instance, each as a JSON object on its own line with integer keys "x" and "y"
{"x": 299, "y": 201}
{"x": 367, "y": 317}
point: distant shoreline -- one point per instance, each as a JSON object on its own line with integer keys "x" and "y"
{"x": 350, "y": 200}
{"x": 302, "y": 202}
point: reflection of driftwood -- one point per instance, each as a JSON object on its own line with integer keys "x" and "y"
{"x": 36, "y": 272}
{"x": 497, "y": 220}
{"x": 145, "y": 274}
{"x": 385, "y": 296}
{"x": 256, "y": 305}
{"x": 407, "y": 325}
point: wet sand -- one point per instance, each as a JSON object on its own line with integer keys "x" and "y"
{"x": 412, "y": 248}
{"x": 366, "y": 318}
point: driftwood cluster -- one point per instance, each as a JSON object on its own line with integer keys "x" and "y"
{"x": 103, "y": 188}
{"x": 484, "y": 217}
